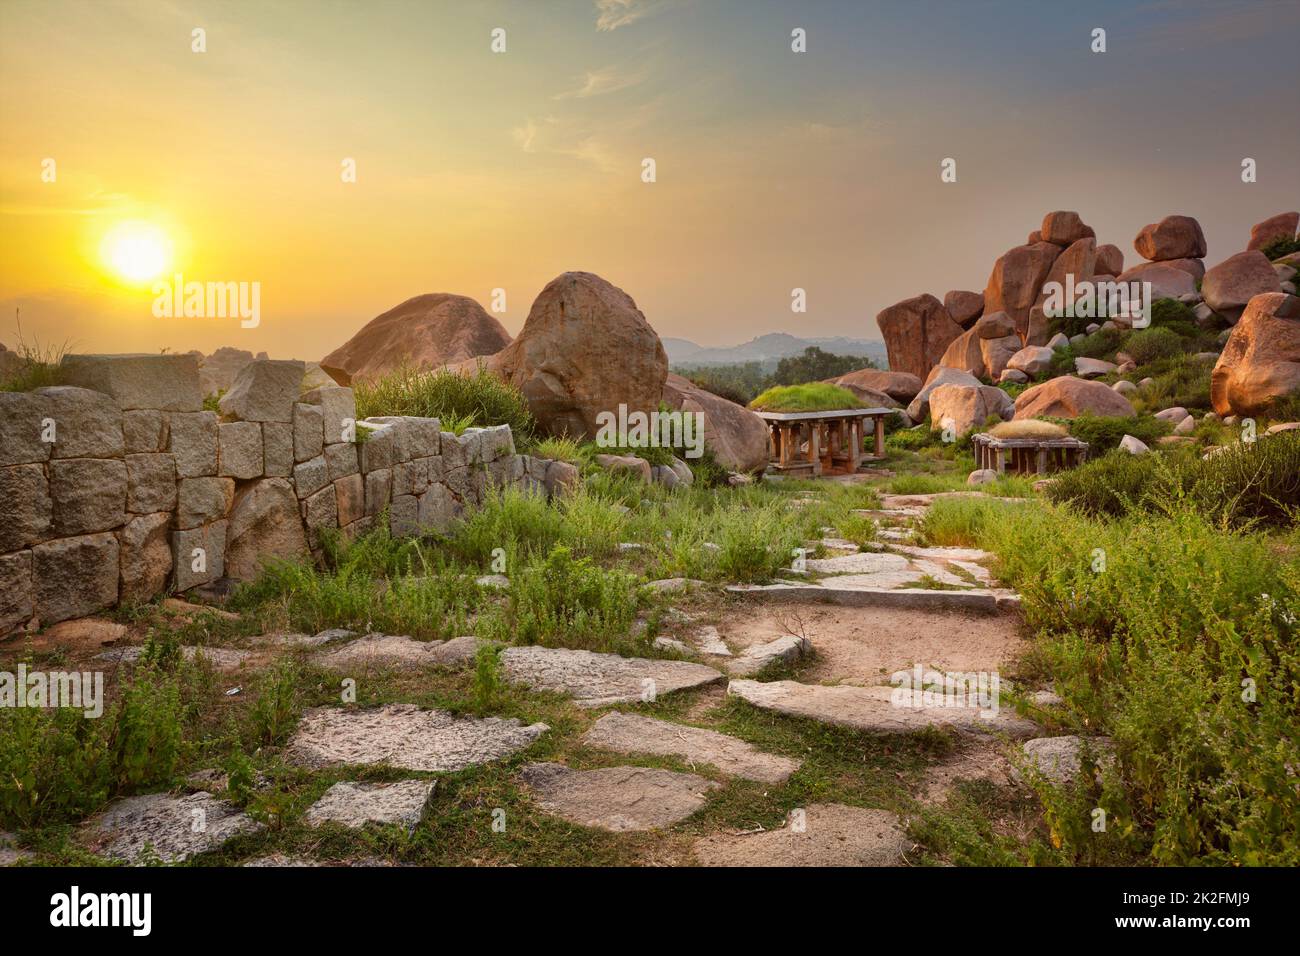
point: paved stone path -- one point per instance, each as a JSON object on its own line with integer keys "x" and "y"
{"x": 598, "y": 680}
{"x": 617, "y": 798}
{"x": 823, "y": 834}
{"x": 403, "y": 735}
{"x": 397, "y": 649}
{"x": 635, "y": 734}
{"x": 173, "y": 828}
{"x": 356, "y": 804}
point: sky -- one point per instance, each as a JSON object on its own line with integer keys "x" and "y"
{"x": 479, "y": 170}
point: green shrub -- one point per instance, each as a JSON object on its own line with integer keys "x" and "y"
{"x": 1103, "y": 433}
{"x": 1242, "y": 485}
{"x": 480, "y": 399}
{"x": 54, "y": 766}
{"x": 562, "y": 449}
{"x": 1156, "y": 342}
{"x": 809, "y": 397}
{"x": 1281, "y": 247}
{"x": 1174, "y": 316}
{"x": 146, "y": 738}
{"x": 1176, "y": 381}
{"x": 274, "y": 713}
{"x": 571, "y": 601}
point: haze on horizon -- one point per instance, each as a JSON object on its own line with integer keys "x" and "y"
{"x": 479, "y": 170}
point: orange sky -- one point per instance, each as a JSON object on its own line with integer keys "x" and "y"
{"x": 479, "y": 170}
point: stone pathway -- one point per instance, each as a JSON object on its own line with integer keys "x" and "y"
{"x": 598, "y": 680}
{"x": 356, "y": 804}
{"x": 786, "y": 649}
{"x": 872, "y": 708}
{"x": 403, "y": 735}
{"x": 635, "y": 734}
{"x": 173, "y": 828}
{"x": 222, "y": 658}
{"x": 397, "y": 649}
{"x": 824, "y": 834}
{"x": 617, "y": 798}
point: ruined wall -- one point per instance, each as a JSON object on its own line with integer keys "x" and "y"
{"x": 119, "y": 486}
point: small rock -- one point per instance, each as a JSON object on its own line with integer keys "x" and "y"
{"x": 1059, "y": 759}
{"x": 356, "y": 804}
{"x": 754, "y": 658}
{"x": 1132, "y": 445}
{"x": 823, "y": 834}
{"x": 619, "y": 799}
{"x": 164, "y": 824}
{"x": 981, "y": 476}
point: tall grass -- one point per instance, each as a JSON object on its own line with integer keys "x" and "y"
{"x": 479, "y": 399}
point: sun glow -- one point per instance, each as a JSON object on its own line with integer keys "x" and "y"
{"x": 136, "y": 251}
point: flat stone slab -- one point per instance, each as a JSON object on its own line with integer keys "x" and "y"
{"x": 598, "y": 680}
{"x": 826, "y": 834}
{"x": 754, "y": 658}
{"x": 308, "y": 640}
{"x": 872, "y": 708}
{"x": 635, "y": 734}
{"x": 673, "y": 585}
{"x": 222, "y": 658}
{"x": 863, "y": 562}
{"x": 616, "y": 798}
{"x": 398, "y": 649}
{"x": 944, "y": 554}
{"x": 403, "y": 735}
{"x": 173, "y": 828}
{"x": 356, "y": 804}
{"x": 708, "y": 641}
{"x": 853, "y": 591}
{"x": 1059, "y": 759}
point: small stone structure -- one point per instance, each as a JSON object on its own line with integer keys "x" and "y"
{"x": 1028, "y": 456}
{"x": 119, "y": 485}
{"x": 816, "y": 442}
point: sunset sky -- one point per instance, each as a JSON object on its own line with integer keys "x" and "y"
{"x": 478, "y": 170}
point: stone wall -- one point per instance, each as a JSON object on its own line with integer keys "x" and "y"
{"x": 119, "y": 486}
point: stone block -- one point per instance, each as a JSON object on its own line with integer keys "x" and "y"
{"x": 200, "y": 555}
{"x": 351, "y": 495}
{"x": 379, "y": 490}
{"x": 21, "y": 418}
{"x": 404, "y": 515}
{"x": 201, "y": 501}
{"x": 89, "y": 495}
{"x": 308, "y": 431}
{"x": 338, "y": 410}
{"x": 265, "y": 524}
{"x": 240, "y": 450}
{"x": 277, "y": 449}
{"x": 192, "y": 441}
{"x": 310, "y": 477}
{"x": 342, "y": 460}
{"x": 16, "y": 593}
{"x": 145, "y": 551}
{"x": 320, "y": 512}
{"x": 75, "y": 576}
{"x": 150, "y": 483}
{"x": 169, "y": 382}
{"x": 26, "y": 511}
{"x": 87, "y": 424}
{"x": 144, "y": 431}
{"x": 265, "y": 390}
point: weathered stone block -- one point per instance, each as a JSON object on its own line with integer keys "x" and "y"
{"x": 146, "y": 556}
{"x": 165, "y": 381}
{"x": 404, "y": 515}
{"x": 150, "y": 483}
{"x": 438, "y": 509}
{"x": 193, "y": 443}
{"x": 310, "y": 477}
{"x": 265, "y": 390}
{"x": 25, "y": 507}
{"x": 379, "y": 490}
{"x": 277, "y": 449}
{"x": 240, "y": 450}
{"x": 76, "y": 576}
{"x": 308, "y": 431}
{"x": 265, "y": 524}
{"x": 144, "y": 431}
{"x": 21, "y": 417}
{"x": 338, "y": 410}
{"x": 495, "y": 442}
{"x": 16, "y": 594}
{"x": 200, "y": 555}
{"x": 342, "y": 460}
{"x": 377, "y": 446}
{"x": 200, "y": 501}
{"x": 87, "y": 424}
{"x": 453, "y": 452}
{"x": 89, "y": 495}
{"x": 471, "y": 444}
{"x": 320, "y": 511}
{"x": 351, "y": 494}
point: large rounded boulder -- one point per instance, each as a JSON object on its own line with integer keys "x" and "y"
{"x": 1017, "y": 279}
{"x": 916, "y": 333}
{"x": 585, "y": 349}
{"x": 1070, "y": 397}
{"x": 1173, "y": 237}
{"x": 900, "y": 386}
{"x": 428, "y": 331}
{"x": 736, "y": 436}
{"x": 1238, "y": 279}
{"x": 1260, "y": 364}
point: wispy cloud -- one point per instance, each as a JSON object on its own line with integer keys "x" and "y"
{"x": 599, "y": 82}
{"x": 612, "y": 14}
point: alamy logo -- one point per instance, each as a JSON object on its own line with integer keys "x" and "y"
{"x": 1099, "y": 300}
{"x": 677, "y": 430}
{"x": 921, "y": 688}
{"x": 80, "y": 690}
{"x": 74, "y": 909}
{"x": 208, "y": 300}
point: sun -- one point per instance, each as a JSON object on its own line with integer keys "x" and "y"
{"x": 136, "y": 250}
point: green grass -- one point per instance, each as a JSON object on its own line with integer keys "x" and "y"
{"x": 809, "y": 397}
{"x": 479, "y": 400}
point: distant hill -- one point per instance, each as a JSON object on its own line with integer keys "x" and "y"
{"x": 768, "y": 348}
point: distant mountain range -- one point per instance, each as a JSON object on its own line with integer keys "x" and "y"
{"x": 769, "y": 348}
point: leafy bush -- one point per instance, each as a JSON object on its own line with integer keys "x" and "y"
{"x": 571, "y": 601}
{"x": 1175, "y": 316}
{"x": 1281, "y": 247}
{"x": 809, "y": 397}
{"x": 1156, "y": 342}
{"x": 562, "y": 449}
{"x": 1244, "y": 484}
{"x": 814, "y": 365}
{"x": 1154, "y": 647}
{"x": 1103, "y": 433}
{"x": 480, "y": 399}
